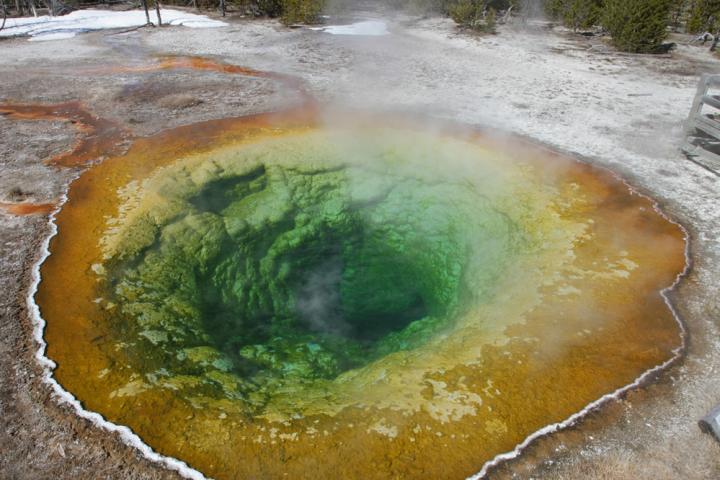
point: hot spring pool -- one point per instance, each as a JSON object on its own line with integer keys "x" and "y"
{"x": 278, "y": 296}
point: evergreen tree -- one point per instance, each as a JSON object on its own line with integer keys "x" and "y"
{"x": 582, "y": 14}
{"x": 466, "y": 12}
{"x": 704, "y": 16}
{"x": 637, "y": 26}
{"x": 474, "y": 14}
{"x": 575, "y": 14}
{"x": 301, "y": 11}
{"x": 555, "y": 8}
{"x": 677, "y": 13}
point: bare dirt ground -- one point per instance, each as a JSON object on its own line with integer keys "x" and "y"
{"x": 574, "y": 94}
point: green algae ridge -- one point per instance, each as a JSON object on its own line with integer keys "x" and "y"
{"x": 267, "y": 268}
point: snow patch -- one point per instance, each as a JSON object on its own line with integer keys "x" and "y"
{"x": 56, "y": 28}
{"x": 370, "y": 28}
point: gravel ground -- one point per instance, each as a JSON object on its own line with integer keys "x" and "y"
{"x": 572, "y": 93}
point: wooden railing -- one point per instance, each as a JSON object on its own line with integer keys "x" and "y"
{"x": 702, "y": 130}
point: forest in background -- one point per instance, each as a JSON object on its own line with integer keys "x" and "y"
{"x": 638, "y": 26}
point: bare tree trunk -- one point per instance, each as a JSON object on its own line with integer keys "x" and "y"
{"x": 157, "y": 10}
{"x": 222, "y": 7}
{"x": 147, "y": 14}
{"x": 3, "y": 12}
{"x": 31, "y": 7}
{"x": 507, "y": 15}
{"x": 19, "y": 7}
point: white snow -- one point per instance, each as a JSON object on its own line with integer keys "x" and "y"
{"x": 66, "y": 26}
{"x": 370, "y": 28}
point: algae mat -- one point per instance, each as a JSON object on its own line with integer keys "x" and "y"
{"x": 283, "y": 296}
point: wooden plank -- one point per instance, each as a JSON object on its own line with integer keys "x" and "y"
{"x": 697, "y": 103}
{"x": 697, "y": 153}
{"x": 707, "y": 126}
{"x": 709, "y": 160}
{"x": 711, "y": 100}
{"x": 702, "y": 157}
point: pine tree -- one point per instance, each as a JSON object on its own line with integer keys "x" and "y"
{"x": 474, "y": 14}
{"x": 677, "y": 14}
{"x": 490, "y": 21}
{"x": 575, "y": 14}
{"x": 466, "y": 12}
{"x": 555, "y": 8}
{"x": 704, "y": 16}
{"x": 582, "y": 14}
{"x": 637, "y": 26}
{"x": 301, "y": 11}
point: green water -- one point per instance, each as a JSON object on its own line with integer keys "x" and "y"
{"x": 295, "y": 261}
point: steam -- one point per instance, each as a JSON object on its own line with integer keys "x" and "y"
{"x": 318, "y": 300}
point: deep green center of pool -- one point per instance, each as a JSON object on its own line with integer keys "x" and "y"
{"x": 279, "y": 273}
